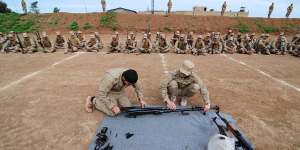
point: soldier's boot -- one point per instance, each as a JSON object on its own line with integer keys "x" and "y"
{"x": 183, "y": 101}
{"x": 267, "y": 52}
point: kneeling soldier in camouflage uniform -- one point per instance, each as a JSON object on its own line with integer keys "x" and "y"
{"x": 184, "y": 83}
{"x": 280, "y": 45}
{"x": 130, "y": 45}
{"x": 248, "y": 46}
{"x": 81, "y": 39}
{"x": 111, "y": 92}
{"x": 97, "y": 35}
{"x": 28, "y": 44}
{"x": 46, "y": 43}
{"x": 181, "y": 45}
{"x": 114, "y": 45}
{"x": 175, "y": 38}
{"x": 199, "y": 47}
{"x": 229, "y": 46}
{"x": 59, "y": 42}
{"x": 146, "y": 46}
{"x": 190, "y": 40}
{"x": 216, "y": 45}
{"x": 11, "y": 45}
{"x": 162, "y": 45}
{"x": 73, "y": 43}
{"x": 92, "y": 44}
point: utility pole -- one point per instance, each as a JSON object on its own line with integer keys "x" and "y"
{"x": 152, "y": 6}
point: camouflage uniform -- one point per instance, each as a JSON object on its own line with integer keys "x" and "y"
{"x": 73, "y": 43}
{"x": 28, "y": 44}
{"x": 281, "y": 45}
{"x": 156, "y": 41}
{"x": 295, "y": 45}
{"x": 146, "y": 46}
{"x": 181, "y": 46}
{"x": 207, "y": 40}
{"x": 247, "y": 46}
{"x": 190, "y": 40}
{"x": 11, "y": 44}
{"x": 271, "y": 8}
{"x": 289, "y": 11}
{"x": 92, "y": 44}
{"x": 183, "y": 83}
{"x": 114, "y": 45}
{"x": 130, "y": 45}
{"x": 111, "y": 92}
{"x": 215, "y": 46}
{"x": 264, "y": 45}
{"x": 81, "y": 39}
{"x": 199, "y": 47}
{"x": 229, "y": 46}
{"x": 59, "y": 42}
{"x": 2, "y": 40}
{"x": 97, "y": 35}
{"x": 239, "y": 41}
{"x": 162, "y": 45}
{"x": 48, "y": 48}
{"x": 175, "y": 38}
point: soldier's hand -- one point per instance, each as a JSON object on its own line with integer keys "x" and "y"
{"x": 116, "y": 110}
{"x": 206, "y": 107}
{"x": 142, "y": 103}
{"x": 171, "y": 105}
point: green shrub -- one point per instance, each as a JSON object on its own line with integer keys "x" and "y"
{"x": 54, "y": 22}
{"x": 87, "y": 26}
{"x": 266, "y": 28}
{"x": 109, "y": 20}
{"x": 74, "y": 26}
{"x": 243, "y": 28}
{"x": 290, "y": 27}
{"x": 13, "y": 22}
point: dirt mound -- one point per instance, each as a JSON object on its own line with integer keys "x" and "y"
{"x": 139, "y": 22}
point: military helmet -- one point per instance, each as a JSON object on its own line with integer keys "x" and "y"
{"x": 44, "y": 34}
{"x": 25, "y": 35}
{"x": 187, "y": 67}
{"x": 72, "y": 33}
{"x": 145, "y": 36}
{"x": 131, "y": 33}
{"x": 79, "y": 32}
{"x": 57, "y": 33}
{"x": 10, "y": 35}
{"x": 177, "y": 32}
{"x": 200, "y": 36}
{"x": 282, "y": 34}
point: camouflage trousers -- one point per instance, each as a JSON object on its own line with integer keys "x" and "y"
{"x": 117, "y": 98}
{"x": 145, "y": 50}
{"x": 187, "y": 91}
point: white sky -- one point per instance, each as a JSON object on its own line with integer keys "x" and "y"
{"x": 257, "y": 8}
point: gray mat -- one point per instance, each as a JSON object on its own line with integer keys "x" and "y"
{"x": 172, "y": 131}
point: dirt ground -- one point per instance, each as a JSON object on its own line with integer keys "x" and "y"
{"x": 185, "y": 23}
{"x": 42, "y": 96}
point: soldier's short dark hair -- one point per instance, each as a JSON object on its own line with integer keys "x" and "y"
{"x": 130, "y": 76}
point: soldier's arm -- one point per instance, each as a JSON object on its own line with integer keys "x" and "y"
{"x": 106, "y": 85}
{"x": 138, "y": 90}
{"x": 203, "y": 89}
{"x": 164, "y": 87}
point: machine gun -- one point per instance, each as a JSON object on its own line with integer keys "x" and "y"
{"x": 241, "y": 141}
{"x": 20, "y": 43}
{"x": 133, "y": 112}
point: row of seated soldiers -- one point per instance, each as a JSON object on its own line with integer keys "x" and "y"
{"x": 29, "y": 44}
{"x": 210, "y": 43}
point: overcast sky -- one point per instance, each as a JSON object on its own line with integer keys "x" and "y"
{"x": 257, "y": 8}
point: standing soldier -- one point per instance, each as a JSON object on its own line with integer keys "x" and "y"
{"x": 146, "y": 45}
{"x": 24, "y": 7}
{"x": 46, "y": 43}
{"x": 11, "y": 44}
{"x": 169, "y": 6}
{"x": 114, "y": 45}
{"x": 229, "y": 46}
{"x": 281, "y": 45}
{"x": 271, "y": 8}
{"x": 97, "y": 35}
{"x": 92, "y": 44}
{"x": 59, "y": 42}
{"x": 162, "y": 45}
{"x": 28, "y": 44}
{"x": 289, "y": 11}
{"x": 190, "y": 40}
{"x": 175, "y": 38}
{"x": 181, "y": 45}
{"x": 199, "y": 47}
{"x": 103, "y": 3}
{"x": 73, "y": 43}
{"x": 183, "y": 83}
{"x": 224, "y": 6}
{"x": 130, "y": 45}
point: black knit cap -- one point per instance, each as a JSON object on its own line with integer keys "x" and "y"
{"x": 130, "y": 76}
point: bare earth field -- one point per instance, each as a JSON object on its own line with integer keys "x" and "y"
{"x": 42, "y": 96}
